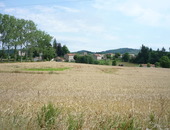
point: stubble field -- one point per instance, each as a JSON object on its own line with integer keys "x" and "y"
{"x": 96, "y": 92}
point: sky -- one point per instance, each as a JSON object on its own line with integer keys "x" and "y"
{"x": 98, "y": 25}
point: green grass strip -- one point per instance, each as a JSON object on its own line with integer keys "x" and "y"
{"x": 47, "y": 69}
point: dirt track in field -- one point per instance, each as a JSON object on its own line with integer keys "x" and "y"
{"x": 86, "y": 87}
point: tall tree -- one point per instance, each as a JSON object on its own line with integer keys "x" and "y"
{"x": 43, "y": 44}
{"x": 65, "y": 50}
{"x": 23, "y": 34}
{"x": 29, "y": 31}
{"x": 5, "y": 27}
{"x": 126, "y": 57}
{"x": 143, "y": 56}
{"x": 59, "y": 50}
{"x": 55, "y": 44}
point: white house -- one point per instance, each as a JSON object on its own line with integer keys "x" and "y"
{"x": 20, "y": 53}
{"x": 69, "y": 57}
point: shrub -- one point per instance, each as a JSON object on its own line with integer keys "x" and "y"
{"x": 96, "y": 62}
{"x": 165, "y": 62}
{"x": 148, "y": 65}
{"x": 114, "y": 63}
{"x": 157, "y": 64}
{"x": 140, "y": 65}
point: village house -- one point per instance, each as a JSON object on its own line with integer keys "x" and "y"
{"x": 59, "y": 59}
{"x": 20, "y": 53}
{"x": 98, "y": 56}
{"x": 132, "y": 55}
{"x": 37, "y": 59}
{"x": 69, "y": 57}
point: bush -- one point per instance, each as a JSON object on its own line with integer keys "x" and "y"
{"x": 148, "y": 65}
{"x": 140, "y": 65}
{"x": 96, "y": 62}
{"x": 84, "y": 59}
{"x": 165, "y": 62}
{"x": 114, "y": 63}
{"x": 157, "y": 64}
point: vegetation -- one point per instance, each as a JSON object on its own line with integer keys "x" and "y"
{"x": 52, "y": 117}
{"x": 47, "y": 69}
{"x": 47, "y": 116}
{"x": 122, "y": 51}
{"x": 147, "y": 55}
{"x": 88, "y": 59}
{"x": 59, "y": 49}
{"x": 21, "y": 40}
{"x": 114, "y": 63}
{"x": 126, "y": 57}
{"x": 165, "y": 62}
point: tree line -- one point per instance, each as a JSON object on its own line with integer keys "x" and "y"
{"x": 145, "y": 56}
{"x": 22, "y": 35}
{"x": 158, "y": 57}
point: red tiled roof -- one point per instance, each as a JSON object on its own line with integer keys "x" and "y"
{"x": 97, "y": 54}
{"x": 70, "y": 54}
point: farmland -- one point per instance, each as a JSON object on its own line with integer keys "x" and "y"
{"x": 95, "y": 91}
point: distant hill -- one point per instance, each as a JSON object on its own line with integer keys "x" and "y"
{"x": 84, "y": 51}
{"x": 122, "y": 51}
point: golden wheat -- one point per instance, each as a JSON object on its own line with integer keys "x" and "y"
{"x": 97, "y": 91}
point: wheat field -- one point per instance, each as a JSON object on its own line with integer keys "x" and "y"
{"x": 94, "y": 90}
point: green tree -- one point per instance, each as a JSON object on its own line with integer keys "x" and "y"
{"x": 65, "y": 50}
{"x": 126, "y": 57}
{"x": 5, "y": 28}
{"x": 19, "y": 33}
{"x": 55, "y": 46}
{"x": 143, "y": 56}
{"x": 43, "y": 45}
{"x": 117, "y": 55}
{"x": 165, "y": 62}
{"x": 108, "y": 56}
{"x": 59, "y": 50}
{"x": 29, "y": 32}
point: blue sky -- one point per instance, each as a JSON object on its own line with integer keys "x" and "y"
{"x": 98, "y": 25}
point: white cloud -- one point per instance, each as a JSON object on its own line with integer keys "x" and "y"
{"x": 142, "y": 14}
{"x": 53, "y": 20}
{"x": 71, "y": 10}
{"x": 2, "y": 5}
{"x": 20, "y": 12}
{"x": 149, "y": 12}
{"x": 107, "y": 24}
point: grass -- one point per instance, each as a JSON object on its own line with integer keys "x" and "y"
{"x": 46, "y": 69}
{"x": 47, "y": 116}
{"x": 51, "y": 117}
{"x": 128, "y": 64}
{"x": 109, "y": 62}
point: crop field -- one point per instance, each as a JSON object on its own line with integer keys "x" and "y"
{"x": 85, "y": 96}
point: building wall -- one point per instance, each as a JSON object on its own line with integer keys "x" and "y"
{"x": 69, "y": 58}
